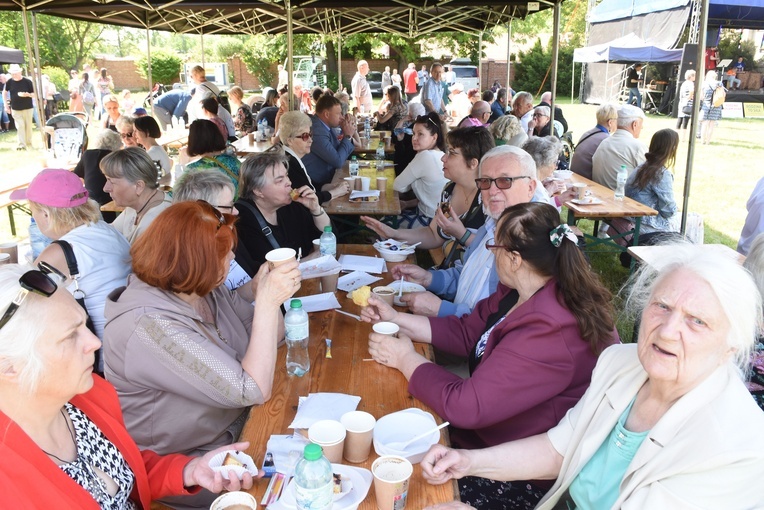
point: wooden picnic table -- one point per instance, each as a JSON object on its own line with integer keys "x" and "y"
{"x": 607, "y": 208}
{"x": 382, "y": 390}
{"x": 243, "y": 147}
{"x": 388, "y": 203}
{"x": 369, "y": 147}
{"x": 14, "y": 205}
{"x": 173, "y": 138}
{"x": 652, "y": 255}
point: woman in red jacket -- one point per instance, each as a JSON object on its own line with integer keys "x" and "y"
{"x": 531, "y": 346}
{"x": 63, "y": 443}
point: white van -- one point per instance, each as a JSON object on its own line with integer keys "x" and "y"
{"x": 466, "y": 73}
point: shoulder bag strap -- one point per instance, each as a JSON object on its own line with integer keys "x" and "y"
{"x": 227, "y": 170}
{"x": 263, "y": 225}
{"x": 78, "y": 294}
{"x": 587, "y": 137}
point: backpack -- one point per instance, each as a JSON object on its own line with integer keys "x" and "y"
{"x": 719, "y": 96}
{"x": 88, "y": 97}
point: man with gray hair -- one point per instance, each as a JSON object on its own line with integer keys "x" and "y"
{"x": 507, "y": 177}
{"x": 432, "y": 91}
{"x": 522, "y": 108}
{"x": 621, "y": 148}
{"x": 360, "y": 88}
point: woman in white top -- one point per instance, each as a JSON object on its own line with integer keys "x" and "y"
{"x": 132, "y": 180}
{"x": 424, "y": 175}
{"x": 146, "y": 131}
{"x": 62, "y": 209}
{"x": 686, "y": 95}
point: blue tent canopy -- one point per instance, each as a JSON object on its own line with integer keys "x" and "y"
{"x": 727, "y": 13}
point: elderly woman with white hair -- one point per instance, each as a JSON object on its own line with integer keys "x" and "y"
{"x": 125, "y": 125}
{"x": 686, "y": 96}
{"x": 543, "y": 124}
{"x": 545, "y": 151}
{"x": 132, "y": 180}
{"x": 507, "y": 130}
{"x": 296, "y": 137}
{"x": 667, "y": 421}
{"x": 64, "y": 443}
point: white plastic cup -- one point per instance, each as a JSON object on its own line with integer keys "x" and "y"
{"x": 386, "y": 328}
{"x": 365, "y": 183}
{"x": 279, "y": 256}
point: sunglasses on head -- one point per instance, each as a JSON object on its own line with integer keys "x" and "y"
{"x": 305, "y": 136}
{"x": 37, "y": 281}
{"x": 423, "y": 118}
{"x": 218, "y": 214}
{"x": 484, "y": 183}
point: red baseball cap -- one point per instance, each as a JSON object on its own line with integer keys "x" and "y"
{"x": 54, "y": 187}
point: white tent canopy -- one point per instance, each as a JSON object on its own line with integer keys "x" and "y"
{"x": 629, "y": 48}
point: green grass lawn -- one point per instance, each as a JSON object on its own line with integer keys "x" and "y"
{"x": 724, "y": 174}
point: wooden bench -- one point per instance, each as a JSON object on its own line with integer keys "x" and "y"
{"x": 14, "y": 205}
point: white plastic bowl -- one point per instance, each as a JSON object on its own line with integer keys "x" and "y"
{"x": 402, "y": 426}
{"x": 394, "y": 255}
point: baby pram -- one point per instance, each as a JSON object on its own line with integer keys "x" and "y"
{"x": 67, "y": 135}
{"x": 156, "y": 91}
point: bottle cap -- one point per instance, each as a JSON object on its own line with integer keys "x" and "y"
{"x": 295, "y": 303}
{"x": 312, "y": 451}
{"x": 328, "y": 228}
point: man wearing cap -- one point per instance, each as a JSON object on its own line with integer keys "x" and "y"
{"x": 18, "y": 95}
{"x": 360, "y": 88}
{"x": 171, "y": 104}
{"x": 621, "y": 148}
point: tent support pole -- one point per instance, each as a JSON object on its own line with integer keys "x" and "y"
{"x": 480, "y": 59}
{"x": 573, "y": 83}
{"x": 339, "y": 59}
{"x": 555, "y": 58}
{"x": 703, "y": 29}
{"x": 34, "y": 62}
{"x": 201, "y": 38}
{"x": 290, "y": 56}
{"x": 148, "y": 62}
{"x": 509, "y": 58}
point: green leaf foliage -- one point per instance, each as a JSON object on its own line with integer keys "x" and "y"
{"x": 165, "y": 66}
{"x": 58, "y": 76}
{"x": 533, "y": 70}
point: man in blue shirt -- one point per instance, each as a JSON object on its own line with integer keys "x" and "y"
{"x": 171, "y": 104}
{"x": 432, "y": 91}
{"x": 328, "y": 152}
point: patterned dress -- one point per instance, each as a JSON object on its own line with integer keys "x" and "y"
{"x": 95, "y": 451}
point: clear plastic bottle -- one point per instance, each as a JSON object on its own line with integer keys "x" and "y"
{"x": 314, "y": 483}
{"x": 297, "y": 334}
{"x": 328, "y": 242}
{"x": 620, "y": 183}
{"x": 367, "y": 128}
{"x": 37, "y": 240}
{"x": 380, "y": 154}
{"x": 353, "y": 166}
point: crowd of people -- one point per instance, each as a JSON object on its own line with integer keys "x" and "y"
{"x": 173, "y": 304}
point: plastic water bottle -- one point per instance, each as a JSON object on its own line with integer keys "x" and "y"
{"x": 328, "y": 242}
{"x": 313, "y": 479}
{"x": 37, "y": 241}
{"x": 297, "y": 329}
{"x": 367, "y": 128}
{"x": 353, "y": 167}
{"x": 620, "y": 184}
{"x": 380, "y": 153}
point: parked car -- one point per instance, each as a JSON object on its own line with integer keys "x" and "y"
{"x": 466, "y": 73}
{"x": 375, "y": 82}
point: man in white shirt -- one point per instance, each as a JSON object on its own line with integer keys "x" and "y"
{"x": 621, "y": 148}
{"x": 522, "y": 108}
{"x": 361, "y": 89}
{"x": 432, "y": 91}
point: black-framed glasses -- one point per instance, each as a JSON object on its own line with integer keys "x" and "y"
{"x": 126, "y": 135}
{"x": 484, "y": 183}
{"x": 35, "y": 281}
{"x": 305, "y": 136}
{"x": 540, "y": 115}
{"x": 51, "y": 271}
{"x": 229, "y": 208}
{"x": 218, "y": 214}
{"x": 498, "y": 246}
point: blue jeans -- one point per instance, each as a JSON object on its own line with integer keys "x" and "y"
{"x": 634, "y": 92}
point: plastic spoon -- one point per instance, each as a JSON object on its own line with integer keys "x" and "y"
{"x": 400, "y": 287}
{"x": 401, "y": 446}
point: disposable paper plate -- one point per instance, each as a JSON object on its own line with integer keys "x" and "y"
{"x": 355, "y": 486}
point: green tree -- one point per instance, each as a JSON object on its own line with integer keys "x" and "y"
{"x": 533, "y": 70}
{"x": 165, "y": 66}
{"x": 732, "y": 46}
{"x": 58, "y": 76}
{"x": 227, "y": 47}
{"x": 68, "y": 43}
{"x": 260, "y": 52}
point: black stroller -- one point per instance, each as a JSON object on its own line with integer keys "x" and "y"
{"x": 156, "y": 91}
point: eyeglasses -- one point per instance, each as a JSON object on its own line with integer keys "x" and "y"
{"x": 305, "y": 136}
{"x": 228, "y": 207}
{"x": 484, "y": 183}
{"x": 126, "y": 135}
{"x": 36, "y": 281}
{"x": 540, "y": 115}
{"x": 218, "y": 214}
{"x": 497, "y": 246}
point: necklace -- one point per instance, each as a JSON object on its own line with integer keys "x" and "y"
{"x": 138, "y": 214}
{"x": 74, "y": 440}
